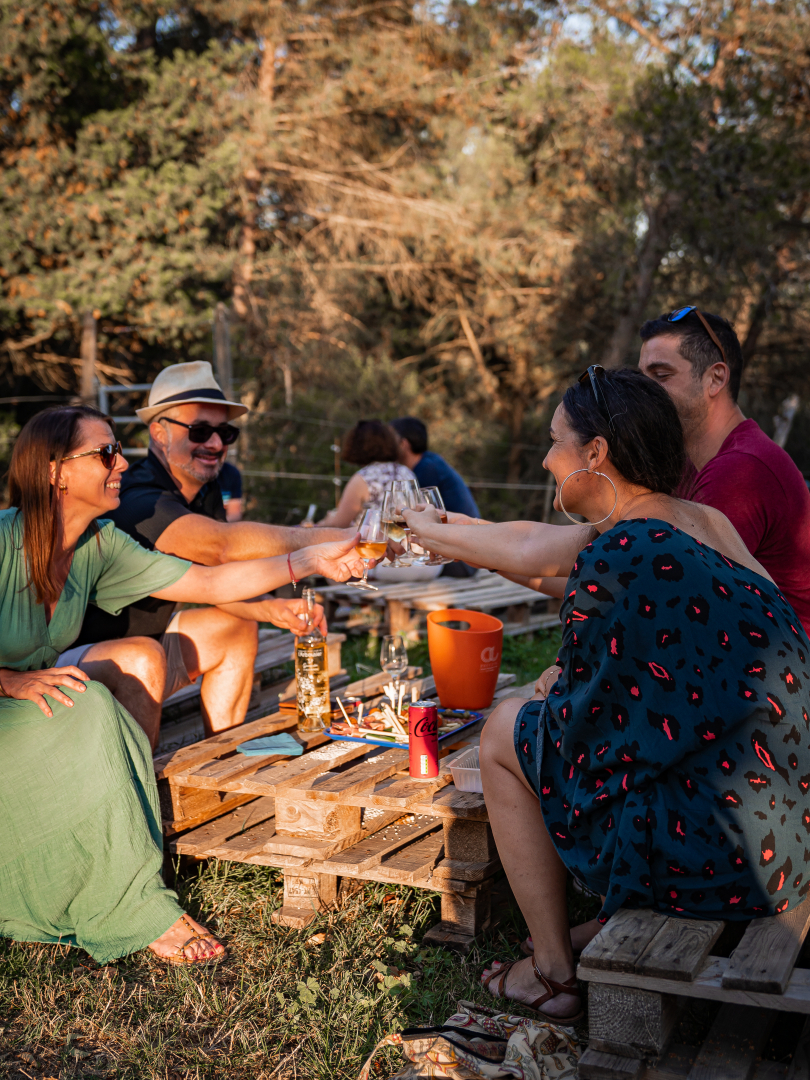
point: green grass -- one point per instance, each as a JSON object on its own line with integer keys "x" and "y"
{"x": 308, "y": 1005}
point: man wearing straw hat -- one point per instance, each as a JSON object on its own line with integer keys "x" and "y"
{"x": 171, "y": 502}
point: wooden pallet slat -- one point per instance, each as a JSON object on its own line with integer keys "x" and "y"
{"x": 765, "y": 957}
{"x": 370, "y": 852}
{"x": 334, "y": 786}
{"x": 708, "y": 984}
{"x": 178, "y": 761}
{"x": 733, "y": 1044}
{"x": 597, "y": 1065}
{"x": 679, "y": 949}
{"x": 246, "y": 843}
{"x": 620, "y": 943}
{"x": 288, "y": 774}
{"x": 414, "y": 861}
{"x": 198, "y": 841}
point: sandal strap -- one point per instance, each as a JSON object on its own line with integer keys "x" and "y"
{"x": 196, "y": 937}
{"x": 500, "y": 974}
{"x": 551, "y": 986}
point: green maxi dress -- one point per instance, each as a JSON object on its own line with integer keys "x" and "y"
{"x": 80, "y": 830}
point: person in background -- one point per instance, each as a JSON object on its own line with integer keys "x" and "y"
{"x": 171, "y": 502}
{"x": 733, "y": 465}
{"x": 230, "y": 484}
{"x": 374, "y": 446}
{"x": 431, "y": 470}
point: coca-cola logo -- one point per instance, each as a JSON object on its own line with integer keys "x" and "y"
{"x": 426, "y": 725}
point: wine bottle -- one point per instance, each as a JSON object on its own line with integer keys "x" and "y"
{"x": 312, "y": 673}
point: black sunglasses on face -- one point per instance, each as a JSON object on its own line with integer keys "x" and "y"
{"x": 591, "y": 374}
{"x": 108, "y": 453}
{"x": 201, "y": 431}
{"x": 681, "y": 313}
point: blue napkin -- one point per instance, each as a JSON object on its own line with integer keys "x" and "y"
{"x": 272, "y": 744}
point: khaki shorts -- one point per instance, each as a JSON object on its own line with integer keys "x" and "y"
{"x": 177, "y": 675}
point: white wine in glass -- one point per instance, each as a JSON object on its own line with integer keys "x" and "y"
{"x": 372, "y": 543}
{"x": 393, "y": 503}
{"x": 433, "y": 497}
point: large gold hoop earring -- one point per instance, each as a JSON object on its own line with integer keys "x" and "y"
{"x": 595, "y": 473}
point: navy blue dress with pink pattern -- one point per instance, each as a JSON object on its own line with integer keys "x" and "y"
{"x": 671, "y": 757}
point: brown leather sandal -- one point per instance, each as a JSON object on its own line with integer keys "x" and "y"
{"x": 180, "y": 959}
{"x": 551, "y": 987}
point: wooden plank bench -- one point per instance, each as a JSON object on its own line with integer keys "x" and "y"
{"x": 340, "y": 810}
{"x": 403, "y": 605}
{"x": 643, "y": 966}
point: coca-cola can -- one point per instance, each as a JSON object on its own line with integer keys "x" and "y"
{"x": 423, "y": 740}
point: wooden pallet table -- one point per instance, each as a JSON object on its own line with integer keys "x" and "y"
{"x": 405, "y": 604}
{"x": 340, "y": 810}
{"x": 642, "y": 968}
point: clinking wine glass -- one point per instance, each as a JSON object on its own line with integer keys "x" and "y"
{"x": 392, "y": 516}
{"x": 372, "y": 543}
{"x": 433, "y": 497}
{"x": 411, "y": 498}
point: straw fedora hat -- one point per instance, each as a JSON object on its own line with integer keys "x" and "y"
{"x": 184, "y": 384}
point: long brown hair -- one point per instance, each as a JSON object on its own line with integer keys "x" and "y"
{"x": 47, "y": 437}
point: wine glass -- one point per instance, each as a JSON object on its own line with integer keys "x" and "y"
{"x": 433, "y": 497}
{"x": 409, "y": 497}
{"x": 372, "y": 543}
{"x": 394, "y": 658}
{"x": 392, "y": 516}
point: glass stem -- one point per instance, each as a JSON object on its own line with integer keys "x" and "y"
{"x": 365, "y": 570}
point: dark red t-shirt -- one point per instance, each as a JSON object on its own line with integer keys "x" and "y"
{"x": 764, "y": 496}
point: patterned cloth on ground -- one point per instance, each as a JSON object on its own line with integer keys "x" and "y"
{"x": 473, "y": 1045}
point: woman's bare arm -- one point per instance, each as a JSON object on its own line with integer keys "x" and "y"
{"x": 351, "y": 503}
{"x": 549, "y": 586}
{"x": 236, "y": 581}
{"x": 530, "y": 548}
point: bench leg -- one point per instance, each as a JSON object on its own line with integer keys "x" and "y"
{"x": 402, "y": 620}
{"x": 464, "y": 916}
{"x": 629, "y": 1023}
{"x": 305, "y": 896}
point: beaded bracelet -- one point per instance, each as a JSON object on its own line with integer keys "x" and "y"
{"x": 292, "y": 575}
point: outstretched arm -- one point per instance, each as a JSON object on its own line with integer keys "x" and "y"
{"x": 236, "y": 581}
{"x": 200, "y": 539}
{"x": 529, "y": 548}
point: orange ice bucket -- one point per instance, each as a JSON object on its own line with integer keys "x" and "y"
{"x": 465, "y": 658}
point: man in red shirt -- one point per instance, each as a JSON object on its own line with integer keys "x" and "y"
{"x": 735, "y": 467}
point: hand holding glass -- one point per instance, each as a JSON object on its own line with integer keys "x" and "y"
{"x": 372, "y": 543}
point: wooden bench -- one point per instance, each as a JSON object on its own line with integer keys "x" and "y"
{"x": 342, "y": 810}
{"x": 402, "y": 606}
{"x": 641, "y": 969}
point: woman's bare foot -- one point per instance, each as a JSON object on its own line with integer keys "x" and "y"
{"x": 176, "y": 947}
{"x": 522, "y": 985}
{"x": 581, "y": 936}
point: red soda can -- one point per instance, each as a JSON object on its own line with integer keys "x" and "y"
{"x": 423, "y": 740}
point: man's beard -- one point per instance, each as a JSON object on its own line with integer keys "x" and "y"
{"x": 692, "y": 412}
{"x": 203, "y": 473}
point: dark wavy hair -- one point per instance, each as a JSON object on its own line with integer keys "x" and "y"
{"x": 49, "y": 436}
{"x": 695, "y": 345}
{"x": 369, "y": 441}
{"x": 647, "y": 448}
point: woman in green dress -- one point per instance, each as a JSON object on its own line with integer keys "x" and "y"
{"x": 81, "y": 848}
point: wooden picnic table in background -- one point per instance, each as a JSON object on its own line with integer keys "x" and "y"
{"x": 403, "y": 606}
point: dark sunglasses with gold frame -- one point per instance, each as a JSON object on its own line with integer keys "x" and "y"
{"x": 108, "y": 453}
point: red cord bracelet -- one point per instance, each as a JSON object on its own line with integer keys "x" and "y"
{"x": 292, "y": 575}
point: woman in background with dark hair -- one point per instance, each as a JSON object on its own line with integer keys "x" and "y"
{"x": 660, "y": 755}
{"x": 374, "y": 446}
{"x": 81, "y": 851}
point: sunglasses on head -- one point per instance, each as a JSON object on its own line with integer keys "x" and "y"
{"x": 201, "y": 431}
{"x": 108, "y": 453}
{"x": 594, "y": 372}
{"x": 681, "y": 313}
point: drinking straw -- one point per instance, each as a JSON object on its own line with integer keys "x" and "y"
{"x": 360, "y": 714}
{"x": 399, "y": 702}
{"x": 414, "y": 694}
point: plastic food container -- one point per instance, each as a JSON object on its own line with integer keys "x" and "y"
{"x": 466, "y": 771}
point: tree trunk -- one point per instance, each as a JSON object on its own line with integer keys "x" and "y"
{"x": 649, "y": 259}
{"x": 222, "y": 350}
{"x": 87, "y": 390}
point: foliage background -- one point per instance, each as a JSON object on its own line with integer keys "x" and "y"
{"x": 443, "y": 209}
